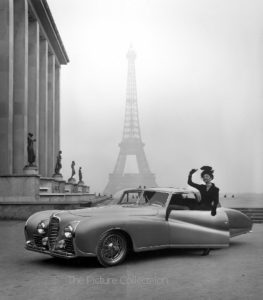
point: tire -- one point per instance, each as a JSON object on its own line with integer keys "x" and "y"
{"x": 206, "y": 252}
{"x": 112, "y": 249}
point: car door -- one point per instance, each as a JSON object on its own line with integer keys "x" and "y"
{"x": 147, "y": 225}
{"x": 190, "y": 227}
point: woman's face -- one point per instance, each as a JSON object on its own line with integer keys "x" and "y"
{"x": 207, "y": 178}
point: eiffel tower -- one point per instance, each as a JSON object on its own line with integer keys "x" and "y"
{"x": 131, "y": 144}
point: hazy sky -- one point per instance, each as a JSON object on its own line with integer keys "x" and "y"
{"x": 199, "y": 71}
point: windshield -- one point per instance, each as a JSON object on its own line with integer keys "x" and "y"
{"x": 139, "y": 197}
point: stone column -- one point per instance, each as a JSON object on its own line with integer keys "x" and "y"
{"x": 43, "y": 106}
{"x": 20, "y": 85}
{"x": 33, "y": 83}
{"x": 6, "y": 86}
{"x": 51, "y": 114}
{"x": 57, "y": 109}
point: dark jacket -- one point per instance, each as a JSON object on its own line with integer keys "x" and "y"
{"x": 210, "y": 198}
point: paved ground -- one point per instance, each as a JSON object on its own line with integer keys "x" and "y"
{"x": 232, "y": 273}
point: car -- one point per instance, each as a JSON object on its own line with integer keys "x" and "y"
{"x": 135, "y": 219}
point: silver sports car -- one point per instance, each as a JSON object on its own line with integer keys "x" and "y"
{"x": 136, "y": 220}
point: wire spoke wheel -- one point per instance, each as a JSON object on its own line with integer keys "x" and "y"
{"x": 112, "y": 248}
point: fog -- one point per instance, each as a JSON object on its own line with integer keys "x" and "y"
{"x": 199, "y": 72}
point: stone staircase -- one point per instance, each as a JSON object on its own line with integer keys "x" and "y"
{"x": 254, "y": 213}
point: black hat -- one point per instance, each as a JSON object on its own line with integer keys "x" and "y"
{"x": 207, "y": 170}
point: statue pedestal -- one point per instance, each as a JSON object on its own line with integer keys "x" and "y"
{"x": 85, "y": 189}
{"x": 80, "y": 186}
{"x": 30, "y": 170}
{"x": 58, "y": 177}
{"x": 58, "y": 185}
{"x": 72, "y": 180}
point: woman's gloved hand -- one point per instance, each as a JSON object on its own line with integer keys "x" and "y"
{"x": 192, "y": 171}
{"x": 213, "y": 212}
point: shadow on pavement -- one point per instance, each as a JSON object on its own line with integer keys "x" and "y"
{"x": 238, "y": 243}
{"x": 133, "y": 257}
{"x": 165, "y": 253}
{"x": 76, "y": 263}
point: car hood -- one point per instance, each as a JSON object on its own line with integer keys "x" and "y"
{"x": 129, "y": 210}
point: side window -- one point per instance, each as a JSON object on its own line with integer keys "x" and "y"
{"x": 151, "y": 198}
{"x": 188, "y": 196}
{"x": 183, "y": 201}
{"x": 178, "y": 202}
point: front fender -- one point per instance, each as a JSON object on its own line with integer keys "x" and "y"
{"x": 144, "y": 231}
{"x": 33, "y": 220}
{"x": 89, "y": 231}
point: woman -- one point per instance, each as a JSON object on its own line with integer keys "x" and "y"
{"x": 209, "y": 192}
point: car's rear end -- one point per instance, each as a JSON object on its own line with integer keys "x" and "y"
{"x": 239, "y": 223}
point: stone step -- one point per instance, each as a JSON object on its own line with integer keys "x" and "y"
{"x": 255, "y": 217}
{"x": 254, "y": 213}
{"x": 250, "y": 209}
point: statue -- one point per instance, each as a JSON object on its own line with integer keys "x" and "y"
{"x": 80, "y": 175}
{"x": 72, "y": 169}
{"x": 30, "y": 168}
{"x": 71, "y": 179}
{"x": 31, "y": 156}
{"x": 58, "y": 163}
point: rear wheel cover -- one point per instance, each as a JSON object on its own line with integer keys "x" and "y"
{"x": 112, "y": 249}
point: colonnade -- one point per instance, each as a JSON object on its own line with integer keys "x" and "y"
{"x": 30, "y": 60}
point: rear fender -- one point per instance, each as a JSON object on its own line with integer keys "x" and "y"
{"x": 239, "y": 223}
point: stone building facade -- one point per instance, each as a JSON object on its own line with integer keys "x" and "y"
{"x": 31, "y": 55}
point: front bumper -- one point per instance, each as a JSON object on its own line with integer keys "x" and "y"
{"x": 30, "y": 245}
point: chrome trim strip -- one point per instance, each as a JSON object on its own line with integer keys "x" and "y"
{"x": 54, "y": 215}
{"x": 57, "y": 253}
{"x": 87, "y": 254}
{"x": 193, "y": 246}
{"x": 30, "y": 247}
{"x": 63, "y": 254}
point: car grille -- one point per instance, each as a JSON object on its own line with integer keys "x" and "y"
{"x": 38, "y": 240}
{"x": 69, "y": 246}
{"x": 53, "y": 232}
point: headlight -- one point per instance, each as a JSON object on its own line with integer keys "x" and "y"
{"x": 61, "y": 244}
{"x": 42, "y": 227}
{"x": 45, "y": 241}
{"x": 68, "y": 232}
